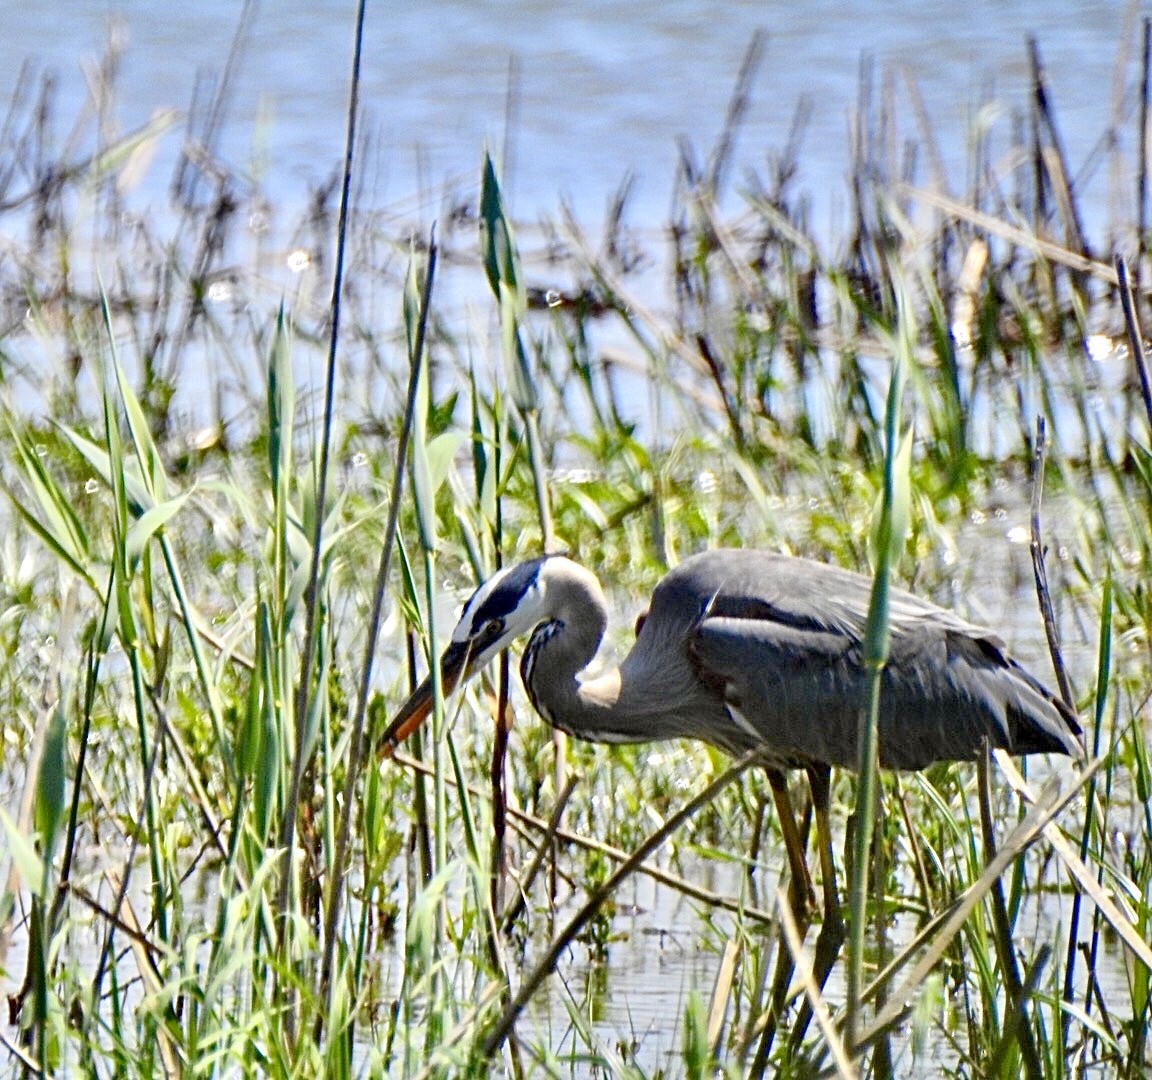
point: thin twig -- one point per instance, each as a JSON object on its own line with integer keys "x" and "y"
{"x": 499, "y": 792}
{"x": 312, "y": 600}
{"x": 1090, "y": 810}
{"x": 124, "y": 877}
{"x": 738, "y": 106}
{"x": 1044, "y": 598}
{"x": 546, "y": 845}
{"x": 1043, "y": 595}
{"x": 356, "y": 754}
{"x": 1142, "y": 155}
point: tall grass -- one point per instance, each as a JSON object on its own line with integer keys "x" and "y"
{"x": 205, "y": 627}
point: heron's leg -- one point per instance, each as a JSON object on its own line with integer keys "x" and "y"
{"x": 831, "y": 936}
{"x": 802, "y": 899}
{"x": 803, "y": 895}
{"x": 819, "y": 778}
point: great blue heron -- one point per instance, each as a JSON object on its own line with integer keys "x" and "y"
{"x": 754, "y": 650}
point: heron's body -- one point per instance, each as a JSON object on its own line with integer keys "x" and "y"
{"x": 750, "y": 649}
{"x": 753, "y": 650}
{"x": 747, "y": 649}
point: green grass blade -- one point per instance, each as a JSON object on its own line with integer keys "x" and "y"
{"x": 889, "y": 539}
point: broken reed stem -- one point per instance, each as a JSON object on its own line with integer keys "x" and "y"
{"x": 1135, "y": 335}
{"x": 1039, "y": 569}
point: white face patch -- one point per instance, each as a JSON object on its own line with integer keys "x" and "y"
{"x": 463, "y": 629}
{"x": 514, "y": 595}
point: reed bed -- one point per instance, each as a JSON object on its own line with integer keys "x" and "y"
{"x": 222, "y": 571}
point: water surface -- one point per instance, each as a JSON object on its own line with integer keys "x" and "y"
{"x": 603, "y": 89}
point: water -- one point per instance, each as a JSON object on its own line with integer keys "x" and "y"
{"x": 604, "y": 89}
{"x": 601, "y": 92}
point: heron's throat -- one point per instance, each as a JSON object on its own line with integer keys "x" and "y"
{"x": 551, "y": 670}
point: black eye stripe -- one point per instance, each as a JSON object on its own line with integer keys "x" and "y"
{"x": 507, "y": 595}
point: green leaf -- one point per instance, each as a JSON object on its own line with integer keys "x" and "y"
{"x": 147, "y": 452}
{"x": 697, "y": 1054}
{"x": 29, "y": 865}
{"x": 900, "y": 513}
{"x": 523, "y": 384}
{"x": 500, "y": 261}
{"x": 138, "y": 495}
{"x": 148, "y": 524}
{"x": 281, "y": 402}
{"x": 479, "y": 448}
{"x": 502, "y": 266}
{"x": 248, "y": 738}
{"x": 409, "y": 596}
{"x": 144, "y": 139}
{"x": 423, "y": 940}
{"x": 422, "y": 489}
{"x": 890, "y": 529}
{"x": 441, "y": 452}
{"x": 52, "y": 518}
{"x": 51, "y": 778}
{"x": 55, "y": 540}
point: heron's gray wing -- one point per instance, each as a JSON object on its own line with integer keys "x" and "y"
{"x": 795, "y": 676}
{"x": 792, "y": 687}
{"x": 748, "y": 584}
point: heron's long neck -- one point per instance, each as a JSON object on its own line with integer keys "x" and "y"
{"x": 551, "y": 670}
{"x": 558, "y": 652}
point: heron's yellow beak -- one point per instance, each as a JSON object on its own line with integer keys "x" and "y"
{"x": 455, "y": 667}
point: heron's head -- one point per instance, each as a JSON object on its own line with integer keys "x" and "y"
{"x": 507, "y": 606}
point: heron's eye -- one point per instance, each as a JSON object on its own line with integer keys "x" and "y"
{"x": 491, "y": 630}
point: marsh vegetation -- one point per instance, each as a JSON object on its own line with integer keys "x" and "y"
{"x": 209, "y": 869}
